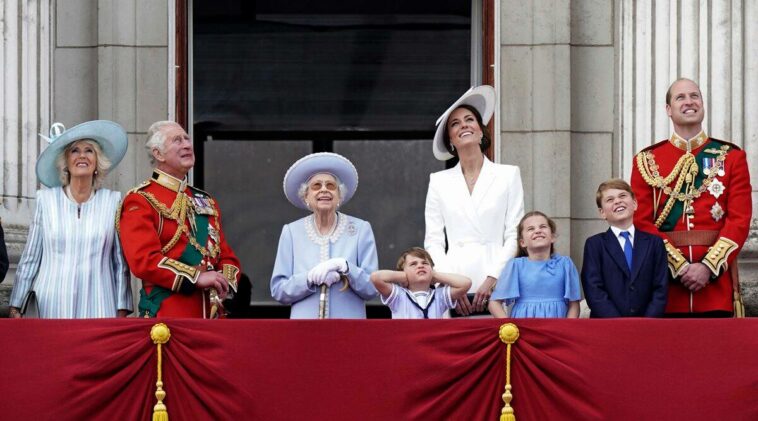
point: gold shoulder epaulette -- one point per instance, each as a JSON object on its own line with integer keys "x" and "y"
{"x": 654, "y": 146}
{"x": 195, "y": 189}
{"x": 139, "y": 187}
{"x": 730, "y": 144}
{"x": 121, "y": 203}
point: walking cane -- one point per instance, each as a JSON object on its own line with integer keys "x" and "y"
{"x": 322, "y": 303}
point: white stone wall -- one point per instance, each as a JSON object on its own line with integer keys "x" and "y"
{"x": 113, "y": 64}
{"x": 583, "y": 84}
{"x": 25, "y": 104}
{"x": 72, "y": 61}
{"x": 535, "y": 97}
{"x": 708, "y": 42}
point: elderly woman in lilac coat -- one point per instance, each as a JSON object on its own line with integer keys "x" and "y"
{"x": 325, "y": 259}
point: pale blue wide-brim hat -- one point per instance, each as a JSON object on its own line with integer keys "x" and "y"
{"x": 110, "y": 136}
{"x": 322, "y": 162}
{"x": 482, "y": 98}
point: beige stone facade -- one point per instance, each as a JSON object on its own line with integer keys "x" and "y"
{"x": 581, "y": 85}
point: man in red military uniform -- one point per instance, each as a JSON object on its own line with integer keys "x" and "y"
{"x": 694, "y": 191}
{"x": 171, "y": 235}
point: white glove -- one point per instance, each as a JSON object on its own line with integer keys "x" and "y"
{"x": 318, "y": 275}
{"x": 314, "y": 277}
{"x": 332, "y": 278}
{"x": 338, "y": 264}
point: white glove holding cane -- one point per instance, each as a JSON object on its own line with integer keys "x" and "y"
{"x": 327, "y": 272}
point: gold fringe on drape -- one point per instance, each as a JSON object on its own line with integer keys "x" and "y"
{"x": 508, "y": 334}
{"x": 160, "y": 334}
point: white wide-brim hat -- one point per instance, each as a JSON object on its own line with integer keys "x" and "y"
{"x": 322, "y": 162}
{"x": 482, "y": 98}
{"x": 110, "y": 136}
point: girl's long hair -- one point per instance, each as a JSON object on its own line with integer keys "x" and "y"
{"x": 522, "y": 252}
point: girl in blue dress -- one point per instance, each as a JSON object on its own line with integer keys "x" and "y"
{"x": 538, "y": 282}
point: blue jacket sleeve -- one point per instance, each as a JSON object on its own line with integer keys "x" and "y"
{"x": 367, "y": 263}
{"x": 657, "y": 306}
{"x": 594, "y": 285}
{"x": 288, "y": 287}
{"x": 28, "y": 265}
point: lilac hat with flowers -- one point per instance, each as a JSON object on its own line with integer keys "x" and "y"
{"x": 322, "y": 162}
{"x": 109, "y": 135}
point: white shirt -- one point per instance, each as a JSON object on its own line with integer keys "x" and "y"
{"x": 617, "y": 232}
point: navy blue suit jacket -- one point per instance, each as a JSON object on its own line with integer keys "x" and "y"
{"x": 611, "y": 289}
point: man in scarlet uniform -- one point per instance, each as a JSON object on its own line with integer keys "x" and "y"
{"x": 694, "y": 191}
{"x": 171, "y": 234}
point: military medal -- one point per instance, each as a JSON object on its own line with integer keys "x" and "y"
{"x": 192, "y": 222}
{"x": 213, "y": 233}
{"x": 716, "y": 188}
{"x": 202, "y": 205}
{"x": 717, "y": 212}
{"x": 708, "y": 163}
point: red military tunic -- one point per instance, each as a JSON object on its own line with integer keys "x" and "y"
{"x": 154, "y": 241}
{"x": 712, "y": 205}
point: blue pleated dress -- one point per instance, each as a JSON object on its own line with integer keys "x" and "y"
{"x": 538, "y": 288}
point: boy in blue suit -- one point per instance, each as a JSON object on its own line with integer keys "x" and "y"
{"x": 625, "y": 270}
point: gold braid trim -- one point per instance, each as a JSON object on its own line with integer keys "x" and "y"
{"x": 676, "y": 259}
{"x": 212, "y": 253}
{"x": 718, "y": 254}
{"x": 121, "y": 204}
{"x": 686, "y": 169}
{"x": 180, "y": 269}
{"x": 178, "y": 212}
{"x": 118, "y": 216}
{"x": 230, "y": 273}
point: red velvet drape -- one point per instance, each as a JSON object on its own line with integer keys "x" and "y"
{"x": 381, "y": 370}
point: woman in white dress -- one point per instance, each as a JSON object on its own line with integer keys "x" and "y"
{"x": 472, "y": 209}
{"x": 72, "y": 260}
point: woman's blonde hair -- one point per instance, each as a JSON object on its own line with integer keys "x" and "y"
{"x": 103, "y": 164}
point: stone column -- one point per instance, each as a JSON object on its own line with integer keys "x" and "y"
{"x": 705, "y": 41}
{"x": 132, "y": 71}
{"x": 104, "y": 59}
{"x": 25, "y": 86}
{"x": 593, "y": 79}
{"x": 535, "y": 97}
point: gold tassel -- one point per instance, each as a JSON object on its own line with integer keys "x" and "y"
{"x": 739, "y": 307}
{"x": 508, "y": 334}
{"x": 160, "y": 334}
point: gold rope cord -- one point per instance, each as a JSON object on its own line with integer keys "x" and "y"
{"x": 160, "y": 334}
{"x": 686, "y": 169}
{"x": 509, "y": 335}
{"x": 178, "y": 213}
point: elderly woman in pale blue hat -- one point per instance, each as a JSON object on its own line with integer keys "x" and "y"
{"x": 72, "y": 265}
{"x": 325, "y": 259}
